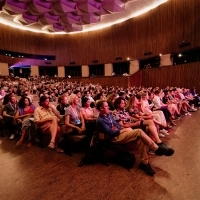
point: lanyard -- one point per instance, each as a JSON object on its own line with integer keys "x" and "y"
{"x": 75, "y": 112}
{"x": 13, "y": 106}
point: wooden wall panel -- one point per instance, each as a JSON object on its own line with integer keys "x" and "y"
{"x": 160, "y": 30}
{"x": 185, "y": 75}
{"x": 136, "y": 79}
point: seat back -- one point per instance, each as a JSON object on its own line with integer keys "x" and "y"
{"x": 102, "y": 136}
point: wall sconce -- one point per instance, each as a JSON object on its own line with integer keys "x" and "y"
{"x": 147, "y": 53}
{"x": 118, "y": 58}
{"x": 184, "y": 44}
{"x": 72, "y": 62}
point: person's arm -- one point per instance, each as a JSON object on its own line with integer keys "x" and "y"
{"x": 1, "y": 98}
{"x": 18, "y": 116}
{"x": 67, "y": 123}
{"x": 5, "y": 113}
{"x": 82, "y": 122}
{"x": 54, "y": 110}
{"x": 105, "y": 128}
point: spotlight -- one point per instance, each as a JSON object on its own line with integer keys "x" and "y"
{"x": 179, "y": 55}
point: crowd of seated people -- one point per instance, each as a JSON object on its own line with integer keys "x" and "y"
{"x": 139, "y": 114}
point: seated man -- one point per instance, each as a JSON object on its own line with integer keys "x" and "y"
{"x": 9, "y": 111}
{"x": 46, "y": 117}
{"x": 107, "y": 125}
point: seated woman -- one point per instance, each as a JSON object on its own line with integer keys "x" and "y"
{"x": 88, "y": 115}
{"x": 159, "y": 105}
{"x": 73, "y": 116}
{"x": 159, "y": 118}
{"x": 110, "y": 100}
{"x": 173, "y": 105}
{"x": 24, "y": 112}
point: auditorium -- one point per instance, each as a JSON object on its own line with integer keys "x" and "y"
{"x": 98, "y": 99}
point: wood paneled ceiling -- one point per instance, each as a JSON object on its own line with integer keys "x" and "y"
{"x": 70, "y": 16}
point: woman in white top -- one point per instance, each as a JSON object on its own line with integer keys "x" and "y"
{"x": 159, "y": 116}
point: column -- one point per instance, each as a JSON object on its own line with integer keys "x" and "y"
{"x": 61, "y": 71}
{"x": 108, "y": 69}
{"x": 4, "y": 71}
{"x": 85, "y": 70}
{"x": 166, "y": 60}
{"x": 134, "y": 66}
{"x": 34, "y": 71}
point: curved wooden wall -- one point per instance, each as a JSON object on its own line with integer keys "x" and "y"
{"x": 160, "y": 30}
{"x": 185, "y": 75}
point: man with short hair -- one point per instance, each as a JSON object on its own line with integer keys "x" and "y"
{"x": 107, "y": 125}
{"x": 9, "y": 111}
{"x": 46, "y": 117}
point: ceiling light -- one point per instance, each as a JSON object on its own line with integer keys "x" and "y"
{"x": 160, "y": 54}
{"x": 179, "y": 55}
{"x": 106, "y": 20}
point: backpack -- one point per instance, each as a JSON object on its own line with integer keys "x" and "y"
{"x": 66, "y": 145}
{"x": 125, "y": 159}
{"x": 93, "y": 155}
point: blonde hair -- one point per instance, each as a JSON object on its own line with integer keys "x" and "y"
{"x": 71, "y": 98}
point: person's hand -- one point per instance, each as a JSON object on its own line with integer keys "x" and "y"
{"x": 50, "y": 105}
{"x": 136, "y": 123}
{"x": 83, "y": 128}
{"x": 79, "y": 130}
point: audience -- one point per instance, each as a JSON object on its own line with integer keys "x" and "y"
{"x": 125, "y": 113}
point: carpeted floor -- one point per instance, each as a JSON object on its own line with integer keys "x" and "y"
{"x": 35, "y": 173}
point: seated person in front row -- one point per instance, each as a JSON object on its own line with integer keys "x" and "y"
{"x": 25, "y": 112}
{"x": 46, "y": 117}
{"x": 9, "y": 111}
{"x": 107, "y": 125}
{"x": 73, "y": 116}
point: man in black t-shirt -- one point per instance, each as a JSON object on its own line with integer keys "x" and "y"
{"x": 9, "y": 111}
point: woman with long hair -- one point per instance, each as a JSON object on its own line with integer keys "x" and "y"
{"x": 110, "y": 100}
{"x": 24, "y": 112}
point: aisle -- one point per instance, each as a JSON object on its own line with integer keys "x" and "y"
{"x": 37, "y": 173}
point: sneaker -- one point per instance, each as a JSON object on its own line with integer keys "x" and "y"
{"x": 146, "y": 168}
{"x": 12, "y": 136}
{"x": 163, "y": 149}
{"x": 189, "y": 114}
{"x": 161, "y": 135}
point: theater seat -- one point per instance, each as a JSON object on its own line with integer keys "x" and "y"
{"x": 67, "y": 130}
